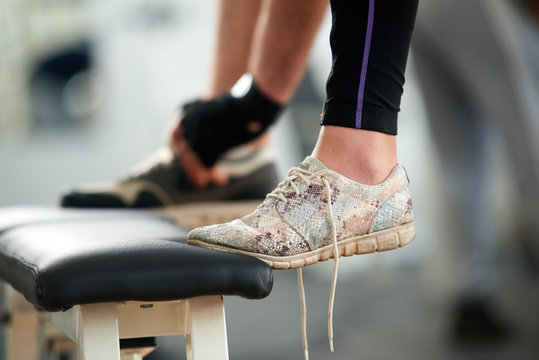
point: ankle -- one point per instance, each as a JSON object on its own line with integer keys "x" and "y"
{"x": 361, "y": 155}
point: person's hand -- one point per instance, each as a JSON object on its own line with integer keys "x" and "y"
{"x": 200, "y": 175}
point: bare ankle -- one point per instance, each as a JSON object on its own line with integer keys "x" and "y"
{"x": 361, "y": 155}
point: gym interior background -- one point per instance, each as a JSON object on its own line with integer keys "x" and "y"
{"x": 88, "y": 89}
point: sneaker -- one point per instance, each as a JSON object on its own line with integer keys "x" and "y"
{"x": 160, "y": 183}
{"x": 296, "y": 225}
{"x": 316, "y": 214}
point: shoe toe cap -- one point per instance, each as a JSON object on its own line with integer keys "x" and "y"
{"x": 89, "y": 200}
{"x": 122, "y": 195}
{"x": 233, "y": 234}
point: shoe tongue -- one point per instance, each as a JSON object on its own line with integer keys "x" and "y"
{"x": 312, "y": 164}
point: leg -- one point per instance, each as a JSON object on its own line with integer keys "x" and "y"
{"x": 235, "y": 28}
{"x": 282, "y": 43}
{"x": 346, "y": 151}
{"x": 281, "y": 46}
{"x": 458, "y": 124}
{"x": 206, "y": 329}
{"x": 23, "y": 332}
{"x": 4, "y": 319}
{"x": 97, "y": 332}
{"x": 496, "y": 44}
{"x": 316, "y": 213}
{"x": 461, "y": 104}
{"x": 360, "y": 114}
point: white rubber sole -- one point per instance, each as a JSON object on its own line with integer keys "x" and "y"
{"x": 208, "y": 213}
{"x": 369, "y": 243}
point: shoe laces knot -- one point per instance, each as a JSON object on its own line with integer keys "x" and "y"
{"x": 295, "y": 176}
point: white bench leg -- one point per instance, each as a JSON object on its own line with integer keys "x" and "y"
{"x": 97, "y": 332}
{"x": 23, "y": 341}
{"x": 5, "y": 315}
{"x": 205, "y": 336}
{"x": 96, "y": 328}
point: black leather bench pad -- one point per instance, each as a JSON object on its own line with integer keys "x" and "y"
{"x": 64, "y": 258}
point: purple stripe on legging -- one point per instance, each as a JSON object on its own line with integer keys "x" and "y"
{"x": 366, "y": 50}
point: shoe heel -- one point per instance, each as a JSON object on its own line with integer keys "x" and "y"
{"x": 406, "y": 234}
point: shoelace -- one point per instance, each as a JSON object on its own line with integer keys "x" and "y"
{"x": 293, "y": 175}
{"x": 282, "y": 188}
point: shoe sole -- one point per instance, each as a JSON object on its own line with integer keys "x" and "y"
{"x": 207, "y": 213}
{"x": 383, "y": 240}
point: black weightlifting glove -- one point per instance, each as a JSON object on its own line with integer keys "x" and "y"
{"x": 211, "y": 127}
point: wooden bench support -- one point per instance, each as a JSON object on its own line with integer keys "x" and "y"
{"x": 97, "y": 328}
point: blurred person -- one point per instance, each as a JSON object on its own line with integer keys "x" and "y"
{"x": 478, "y": 70}
{"x": 267, "y": 40}
{"x": 351, "y": 196}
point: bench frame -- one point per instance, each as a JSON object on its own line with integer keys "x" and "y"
{"x": 97, "y": 328}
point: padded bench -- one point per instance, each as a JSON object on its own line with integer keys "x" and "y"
{"x": 102, "y": 276}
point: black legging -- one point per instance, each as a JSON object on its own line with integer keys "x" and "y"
{"x": 369, "y": 40}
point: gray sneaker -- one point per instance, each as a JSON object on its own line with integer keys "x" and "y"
{"x": 160, "y": 183}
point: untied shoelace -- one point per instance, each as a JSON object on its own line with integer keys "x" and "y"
{"x": 278, "y": 193}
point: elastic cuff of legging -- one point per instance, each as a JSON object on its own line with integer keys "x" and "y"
{"x": 373, "y": 119}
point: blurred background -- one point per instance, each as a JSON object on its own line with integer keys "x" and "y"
{"x": 88, "y": 89}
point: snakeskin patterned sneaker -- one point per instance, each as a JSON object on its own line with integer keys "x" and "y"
{"x": 296, "y": 225}
{"x": 316, "y": 214}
